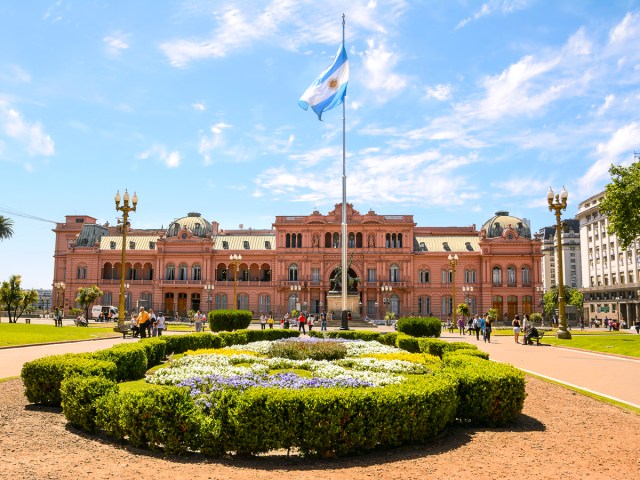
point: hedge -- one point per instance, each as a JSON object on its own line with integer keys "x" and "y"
{"x": 155, "y": 348}
{"x": 42, "y": 377}
{"x": 365, "y": 335}
{"x": 221, "y": 320}
{"x": 420, "y": 326}
{"x": 388, "y": 339}
{"x": 489, "y": 393}
{"x": 192, "y": 341}
{"x": 268, "y": 334}
{"x": 463, "y": 354}
{"x": 79, "y": 396}
{"x": 130, "y": 358}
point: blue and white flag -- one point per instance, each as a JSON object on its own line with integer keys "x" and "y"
{"x": 330, "y": 87}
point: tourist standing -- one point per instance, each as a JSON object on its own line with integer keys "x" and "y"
{"x": 59, "y": 317}
{"x": 198, "y": 321}
{"x": 460, "y": 325}
{"x": 160, "y": 324}
{"x": 270, "y": 321}
{"x": 516, "y": 327}
{"x": 151, "y": 326}
{"x": 302, "y": 322}
{"x": 143, "y": 318}
{"x": 476, "y": 325}
{"x": 310, "y": 321}
{"x": 323, "y": 321}
{"x": 487, "y": 329}
{"x": 263, "y": 321}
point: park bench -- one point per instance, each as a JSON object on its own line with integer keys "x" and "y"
{"x": 124, "y": 329}
{"x": 537, "y": 339}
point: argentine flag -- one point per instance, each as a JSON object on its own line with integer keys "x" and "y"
{"x": 330, "y": 87}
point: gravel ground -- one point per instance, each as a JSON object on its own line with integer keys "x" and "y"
{"x": 559, "y": 435}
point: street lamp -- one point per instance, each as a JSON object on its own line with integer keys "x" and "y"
{"x": 453, "y": 261}
{"x": 558, "y": 203}
{"x": 386, "y": 289}
{"x": 467, "y": 290}
{"x": 235, "y": 261}
{"x": 209, "y": 291}
{"x": 127, "y": 298}
{"x": 125, "y": 209}
{"x": 60, "y": 287}
{"x": 295, "y": 289}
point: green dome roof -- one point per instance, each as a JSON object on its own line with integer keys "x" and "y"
{"x": 194, "y": 222}
{"x": 501, "y": 220}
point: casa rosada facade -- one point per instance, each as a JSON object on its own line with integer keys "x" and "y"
{"x": 399, "y": 267}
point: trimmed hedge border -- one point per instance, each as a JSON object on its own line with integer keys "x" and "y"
{"x": 420, "y": 326}
{"x": 467, "y": 389}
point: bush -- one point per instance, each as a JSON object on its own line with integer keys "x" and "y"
{"x": 420, "y": 326}
{"x": 365, "y": 335}
{"x": 42, "y": 377}
{"x": 388, "y": 339}
{"x": 79, "y": 396}
{"x": 408, "y": 343}
{"x": 302, "y": 350}
{"x": 155, "y": 349}
{"x": 489, "y": 393}
{"x": 192, "y": 341}
{"x": 130, "y": 359}
{"x": 276, "y": 334}
{"x": 463, "y": 354}
{"x": 233, "y": 338}
{"x": 432, "y": 346}
{"x": 228, "y": 320}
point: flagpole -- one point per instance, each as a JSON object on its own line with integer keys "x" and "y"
{"x": 345, "y": 273}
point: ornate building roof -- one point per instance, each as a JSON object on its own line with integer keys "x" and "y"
{"x": 194, "y": 222}
{"x": 501, "y": 220}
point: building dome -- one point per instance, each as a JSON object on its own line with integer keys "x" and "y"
{"x": 501, "y": 220}
{"x": 194, "y": 222}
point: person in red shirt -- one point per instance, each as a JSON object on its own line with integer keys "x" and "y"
{"x": 302, "y": 322}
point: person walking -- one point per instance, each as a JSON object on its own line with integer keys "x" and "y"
{"x": 323, "y": 321}
{"x": 270, "y": 321}
{"x": 59, "y": 317}
{"x": 151, "y": 326}
{"x": 460, "y": 325}
{"x": 476, "y": 325}
{"x": 310, "y": 321}
{"x": 198, "y": 321}
{"x": 516, "y": 327}
{"x": 263, "y": 322}
{"x": 302, "y": 322}
{"x": 160, "y": 324}
{"x": 487, "y": 329}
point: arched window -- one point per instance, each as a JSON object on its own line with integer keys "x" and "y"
{"x": 358, "y": 240}
{"x": 264, "y": 303}
{"x": 394, "y": 273}
{"x": 170, "y": 273}
{"x": 399, "y": 240}
{"x": 327, "y": 240}
{"x": 293, "y": 272}
{"x": 299, "y": 240}
{"x": 352, "y": 240}
{"x": 196, "y": 272}
{"x": 470, "y": 276}
{"x": 393, "y": 241}
{"x": 424, "y": 276}
{"x": 511, "y": 277}
{"x": 447, "y": 276}
{"x": 81, "y": 272}
{"x": 243, "y": 301}
{"x": 526, "y": 276}
{"x": 336, "y": 240}
{"x": 221, "y": 301}
{"x": 387, "y": 240}
{"x": 446, "y": 305}
{"x": 496, "y": 276}
{"x": 182, "y": 272}
{"x": 288, "y": 240}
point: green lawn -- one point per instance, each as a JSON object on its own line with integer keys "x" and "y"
{"x": 12, "y": 334}
{"x": 618, "y": 343}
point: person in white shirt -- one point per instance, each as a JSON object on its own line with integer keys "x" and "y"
{"x": 263, "y": 321}
{"x": 160, "y": 324}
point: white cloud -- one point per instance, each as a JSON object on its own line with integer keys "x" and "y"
{"x": 160, "y": 152}
{"x": 627, "y": 29}
{"x": 378, "y": 77}
{"x": 504, "y": 7}
{"x": 200, "y": 106}
{"x": 116, "y": 43}
{"x": 30, "y": 135}
{"x": 209, "y": 143}
{"x": 608, "y": 101}
{"x": 15, "y": 74}
{"x": 439, "y": 92}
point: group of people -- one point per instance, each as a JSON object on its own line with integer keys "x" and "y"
{"x": 307, "y": 320}
{"x": 147, "y": 323}
{"x": 525, "y": 327}
{"x": 264, "y": 321}
{"x": 478, "y": 324}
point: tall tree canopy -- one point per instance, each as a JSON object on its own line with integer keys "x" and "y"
{"x": 621, "y": 203}
{"x": 14, "y": 299}
{"x": 6, "y": 227}
{"x": 86, "y": 296}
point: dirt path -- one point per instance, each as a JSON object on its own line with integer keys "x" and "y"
{"x": 569, "y": 436}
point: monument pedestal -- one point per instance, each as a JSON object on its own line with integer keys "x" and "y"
{"x": 334, "y": 304}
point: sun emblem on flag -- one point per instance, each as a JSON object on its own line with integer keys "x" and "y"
{"x": 333, "y": 83}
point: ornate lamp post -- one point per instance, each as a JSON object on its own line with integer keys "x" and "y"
{"x": 558, "y": 203}
{"x": 453, "y": 261}
{"x": 235, "y": 259}
{"x": 467, "y": 290}
{"x": 60, "y": 287}
{"x": 295, "y": 289}
{"x": 125, "y": 209}
{"x": 386, "y": 289}
{"x": 209, "y": 291}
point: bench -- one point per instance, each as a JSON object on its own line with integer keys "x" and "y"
{"x": 537, "y": 339}
{"x": 124, "y": 329}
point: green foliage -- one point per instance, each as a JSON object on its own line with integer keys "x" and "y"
{"x": 42, "y": 377}
{"x": 233, "y": 338}
{"x": 228, "y": 320}
{"x": 463, "y": 309}
{"x": 432, "y": 346}
{"x": 365, "y": 335}
{"x": 571, "y": 297}
{"x": 489, "y": 393}
{"x": 75, "y": 312}
{"x": 14, "y": 299}
{"x": 388, "y": 339}
{"x": 79, "y": 395}
{"x": 86, "y": 296}
{"x": 621, "y": 204}
{"x": 6, "y": 227}
{"x": 155, "y": 349}
{"x": 449, "y": 356}
{"x": 492, "y": 313}
{"x": 160, "y": 417}
{"x": 420, "y": 326}
{"x": 303, "y": 350}
{"x": 192, "y": 341}
{"x": 536, "y": 317}
{"x": 269, "y": 334}
{"x": 408, "y": 343}
{"x": 22, "y": 334}
{"x": 130, "y": 358}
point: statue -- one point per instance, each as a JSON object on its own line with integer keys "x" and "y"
{"x": 336, "y": 281}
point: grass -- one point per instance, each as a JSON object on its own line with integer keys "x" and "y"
{"x": 618, "y": 343}
{"x": 14, "y": 334}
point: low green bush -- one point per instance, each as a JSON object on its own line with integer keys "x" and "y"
{"x": 408, "y": 343}
{"x": 233, "y": 338}
{"x": 228, "y": 320}
{"x": 489, "y": 393}
{"x": 388, "y": 339}
{"x": 365, "y": 335}
{"x": 42, "y": 377}
{"x": 302, "y": 350}
{"x": 453, "y": 346}
{"x": 432, "y": 346}
{"x": 420, "y": 326}
{"x": 130, "y": 358}
{"x": 79, "y": 396}
{"x": 269, "y": 334}
{"x": 192, "y": 341}
{"x": 464, "y": 353}
{"x": 155, "y": 348}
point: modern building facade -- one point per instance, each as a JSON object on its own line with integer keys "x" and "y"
{"x": 610, "y": 280}
{"x": 571, "y": 255}
{"x": 399, "y": 267}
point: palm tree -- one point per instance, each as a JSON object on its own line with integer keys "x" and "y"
{"x": 6, "y": 230}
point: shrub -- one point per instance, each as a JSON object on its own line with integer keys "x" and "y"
{"x": 42, "y": 377}
{"x": 192, "y": 341}
{"x": 302, "y": 350}
{"x": 228, "y": 320}
{"x": 489, "y": 393}
{"x": 130, "y": 359}
{"x": 155, "y": 349}
{"x": 420, "y": 326}
{"x": 408, "y": 343}
{"x": 233, "y": 338}
{"x": 432, "y": 346}
{"x": 463, "y": 354}
{"x": 365, "y": 335}
{"x": 388, "y": 339}
{"x": 276, "y": 334}
{"x": 79, "y": 396}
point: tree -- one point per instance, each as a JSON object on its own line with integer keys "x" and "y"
{"x": 571, "y": 297}
{"x": 463, "y": 309}
{"x": 14, "y": 299}
{"x": 86, "y": 296}
{"x": 6, "y": 227}
{"x": 621, "y": 203}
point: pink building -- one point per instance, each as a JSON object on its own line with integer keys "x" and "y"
{"x": 400, "y": 267}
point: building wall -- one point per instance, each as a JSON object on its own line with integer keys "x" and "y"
{"x": 409, "y": 259}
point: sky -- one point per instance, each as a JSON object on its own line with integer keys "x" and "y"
{"x": 454, "y": 110}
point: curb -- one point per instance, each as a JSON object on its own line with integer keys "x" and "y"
{"x": 57, "y": 343}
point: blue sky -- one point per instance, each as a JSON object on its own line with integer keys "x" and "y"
{"x": 455, "y": 109}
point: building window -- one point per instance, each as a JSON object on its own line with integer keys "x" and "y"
{"x": 81, "y": 273}
{"x": 526, "y": 276}
{"x": 170, "y": 272}
{"x": 336, "y": 240}
{"x": 352, "y": 241}
{"x": 315, "y": 275}
{"x": 470, "y": 276}
{"x": 447, "y": 276}
{"x": 394, "y": 273}
{"x": 446, "y": 305}
{"x": 243, "y": 301}
{"x": 106, "y": 298}
{"x": 221, "y": 301}
{"x": 293, "y": 272}
{"x": 264, "y": 303}
{"x": 511, "y": 277}
{"x": 182, "y": 272}
{"x": 112, "y": 245}
{"x": 132, "y": 245}
{"x": 424, "y": 305}
{"x": 371, "y": 275}
{"x": 424, "y": 276}
{"x": 496, "y": 276}
{"x": 225, "y": 245}
{"x": 146, "y": 300}
{"x": 196, "y": 273}
{"x": 267, "y": 245}
{"x": 245, "y": 244}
